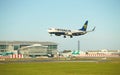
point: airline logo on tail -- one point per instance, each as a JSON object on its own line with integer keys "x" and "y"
{"x": 85, "y": 26}
{"x": 71, "y": 33}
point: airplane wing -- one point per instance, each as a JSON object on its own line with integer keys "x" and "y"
{"x": 59, "y": 33}
{"x": 77, "y": 33}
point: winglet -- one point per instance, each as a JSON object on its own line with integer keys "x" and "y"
{"x": 93, "y": 29}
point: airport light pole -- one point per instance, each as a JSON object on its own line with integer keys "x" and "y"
{"x": 78, "y": 45}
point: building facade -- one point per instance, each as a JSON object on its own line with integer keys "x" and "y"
{"x": 28, "y": 48}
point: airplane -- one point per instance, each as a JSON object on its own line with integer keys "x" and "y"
{"x": 71, "y": 33}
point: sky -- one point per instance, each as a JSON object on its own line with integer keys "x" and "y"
{"x": 29, "y": 20}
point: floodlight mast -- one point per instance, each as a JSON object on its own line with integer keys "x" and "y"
{"x": 78, "y": 45}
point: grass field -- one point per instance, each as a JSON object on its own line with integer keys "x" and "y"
{"x": 61, "y": 68}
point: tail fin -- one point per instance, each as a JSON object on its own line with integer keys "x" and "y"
{"x": 84, "y": 27}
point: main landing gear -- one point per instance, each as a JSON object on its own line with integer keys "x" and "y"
{"x": 71, "y": 36}
{"x": 64, "y": 36}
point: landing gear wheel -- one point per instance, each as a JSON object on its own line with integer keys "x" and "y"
{"x": 71, "y": 36}
{"x": 64, "y": 36}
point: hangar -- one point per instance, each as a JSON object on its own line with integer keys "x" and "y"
{"x": 28, "y": 48}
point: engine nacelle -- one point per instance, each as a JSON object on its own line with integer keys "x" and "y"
{"x": 69, "y": 33}
{"x": 57, "y": 34}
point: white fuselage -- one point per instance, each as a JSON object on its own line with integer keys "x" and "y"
{"x": 65, "y": 32}
{"x": 71, "y": 33}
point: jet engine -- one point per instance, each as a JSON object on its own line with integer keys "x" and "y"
{"x": 69, "y": 33}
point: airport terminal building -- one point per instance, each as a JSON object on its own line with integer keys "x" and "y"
{"x": 28, "y": 48}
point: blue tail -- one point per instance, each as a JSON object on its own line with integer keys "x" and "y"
{"x": 84, "y": 27}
